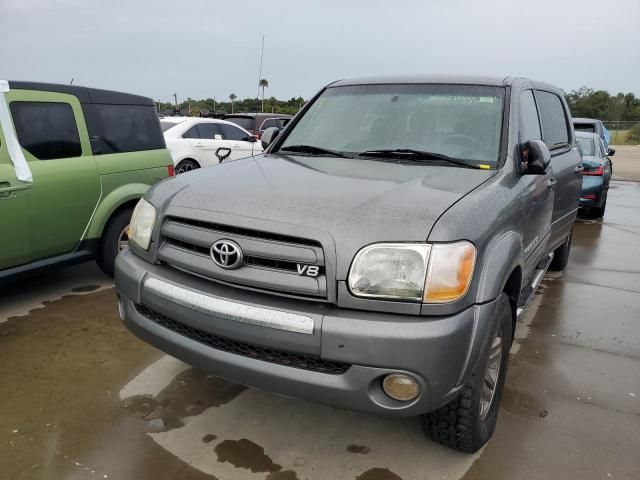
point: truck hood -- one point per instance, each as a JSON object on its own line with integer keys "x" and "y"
{"x": 355, "y": 202}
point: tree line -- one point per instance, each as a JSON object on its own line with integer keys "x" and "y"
{"x": 211, "y": 105}
{"x": 590, "y": 103}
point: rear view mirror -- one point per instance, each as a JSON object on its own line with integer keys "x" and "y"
{"x": 269, "y": 136}
{"x": 611, "y": 152}
{"x": 223, "y": 153}
{"x": 539, "y": 157}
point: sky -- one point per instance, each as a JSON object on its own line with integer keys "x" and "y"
{"x": 211, "y": 48}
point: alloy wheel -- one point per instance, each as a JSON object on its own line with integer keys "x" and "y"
{"x": 491, "y": 375}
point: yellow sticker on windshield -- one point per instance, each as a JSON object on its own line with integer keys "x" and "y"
{"x": 484, "y": 166}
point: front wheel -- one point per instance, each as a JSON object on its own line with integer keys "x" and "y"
{"x": 468, "y": 422}
{"x": 114, "y": 238}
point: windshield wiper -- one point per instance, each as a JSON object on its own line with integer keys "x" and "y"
{"x": 409, "y": 153}
{"x": 312, "y": 150}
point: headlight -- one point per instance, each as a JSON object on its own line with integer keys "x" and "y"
{"x": 450, "y": 271}
{"x": 141, "y": 226}
{"x": 432, "y": 273}
{"x": 390, "y": 270}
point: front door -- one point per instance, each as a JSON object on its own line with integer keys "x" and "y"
{"x": 237, "y": 140}
{"x": 14, "y": 214}
{"x": 66, "y": 185}
{"x": 565, "y": 161}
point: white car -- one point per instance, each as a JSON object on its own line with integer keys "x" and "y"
{"x": 193, "y": 141}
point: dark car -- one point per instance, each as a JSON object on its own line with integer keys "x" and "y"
{"x": 596, "y": 174}
{"x": 257, "y": 123}
{"x": 592, "y": 125}
{"x": 375, "y": 258}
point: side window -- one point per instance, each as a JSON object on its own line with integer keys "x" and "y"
{"x": 529, "y": 121}
{"x": 191, "y": 133}
{"x": 230, "y": 132}
{"x": 124, "y": 128}
{"x": 46, "y": 130}
{"x": 208, "y": 130}
{"x": 554, "y": 120}
{"x": 271, "y": 122}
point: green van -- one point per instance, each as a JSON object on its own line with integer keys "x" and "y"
{"x": 74, "y": 162}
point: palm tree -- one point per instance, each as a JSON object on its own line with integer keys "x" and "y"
{"x": 263, "y": 83}
{"x": 232, "y": 97}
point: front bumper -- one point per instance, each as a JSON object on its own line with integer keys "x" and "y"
{"x": 439, "y": 352}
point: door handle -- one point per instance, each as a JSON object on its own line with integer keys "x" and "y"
{"x": 7, "y": 190}
{"x": 579, "y": 169}
{"x": 199, "y": 145}
{"x": 551, "y": 183}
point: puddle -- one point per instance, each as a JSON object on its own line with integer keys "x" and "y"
{"x": 520, "y": 403}
{"x": 244, "y": 453}
{"x": 378, "y": 474}
{"x": 358, "y": 449}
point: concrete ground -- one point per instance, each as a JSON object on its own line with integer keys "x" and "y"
{"x": 84, "y": 399}
{"x": 626, "y": 162}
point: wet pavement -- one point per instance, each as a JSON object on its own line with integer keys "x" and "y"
{"x": 84, "y": 399}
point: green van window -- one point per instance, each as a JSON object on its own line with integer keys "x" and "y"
{"x": 47, "y": 130}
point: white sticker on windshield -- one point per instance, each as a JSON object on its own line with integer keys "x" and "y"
{"x": 20, "y": 165}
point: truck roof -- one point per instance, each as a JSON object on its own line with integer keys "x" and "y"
{"x": 494, "y": 81}
{"x": 85, "y": 94}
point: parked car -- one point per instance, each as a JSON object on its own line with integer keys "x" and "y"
{"x": 597, "y": 173}
{"x": 257, "y": 123}
{"x": 74, "y": 162}
{"x": 375, "y": 258}
{"x": 591, "y": 125}
{"x": 194, "y": 141}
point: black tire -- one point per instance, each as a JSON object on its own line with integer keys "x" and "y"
{"x": 460, "y": 424}
{"x": 561, "y": 255}
{"x": 110, "y": 240}
{"x": 598, "y": 212}
{"x": 186, "y": 165}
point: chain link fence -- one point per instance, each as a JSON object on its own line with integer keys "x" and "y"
{"x": 621, "y": 131}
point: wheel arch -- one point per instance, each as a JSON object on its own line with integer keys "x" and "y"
{"x": 191, "y": 159}
{"x": 126, "y": 196}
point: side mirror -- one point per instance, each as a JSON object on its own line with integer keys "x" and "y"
{"x": 611, "y": 152}
{"x": 251, "y": 139}
{"x": 269, "y": 136}
{"x": 223, "y": 153}
{"x": 539, "y": 157}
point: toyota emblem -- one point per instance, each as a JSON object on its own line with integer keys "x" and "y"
{"x": 227, "y": 254}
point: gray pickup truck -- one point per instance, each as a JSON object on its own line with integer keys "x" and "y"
{"x": 377, "y": 255}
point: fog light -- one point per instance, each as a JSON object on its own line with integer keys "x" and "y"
{"x": 121, "y": 308}
{"x": 401, "y": 387}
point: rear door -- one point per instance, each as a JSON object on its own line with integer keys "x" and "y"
{"x": 565, "y": 159}
{"x": 66, "y": 185}
{"x": 14, "y": 210}
{"x": 538, "y": 197}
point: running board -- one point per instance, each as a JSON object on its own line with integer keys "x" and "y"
{"x": 526, "y": 296}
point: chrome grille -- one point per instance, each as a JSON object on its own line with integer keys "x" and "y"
{"x": 270, "y": 260}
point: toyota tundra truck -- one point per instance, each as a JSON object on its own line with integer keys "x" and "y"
{"x": 375, "y": 257}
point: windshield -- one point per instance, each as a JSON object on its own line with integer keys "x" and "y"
{"x": 459, "y": 121}
{"x": 587, "y": 145}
